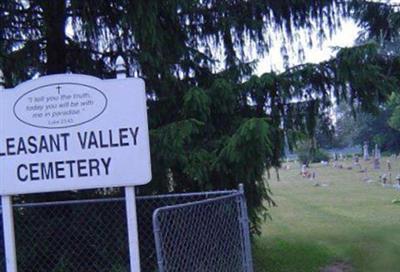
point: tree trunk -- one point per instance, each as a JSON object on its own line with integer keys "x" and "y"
{"x": 54, "y": 15}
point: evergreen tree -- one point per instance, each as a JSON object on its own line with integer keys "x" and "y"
{"x": 213, "y": 125}
{"x": 394, "y": 106}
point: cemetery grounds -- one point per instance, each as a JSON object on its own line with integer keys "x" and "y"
{"x": 343, "y": 220}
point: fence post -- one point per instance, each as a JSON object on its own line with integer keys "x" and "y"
{"x": 157, "y": 240}
{"x": 245, "y": 229}
{"x": 238, "y": 200}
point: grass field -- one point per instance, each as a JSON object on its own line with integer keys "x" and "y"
{"x": 346, "y": 220}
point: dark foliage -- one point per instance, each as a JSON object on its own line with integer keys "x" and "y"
{"x": 213, "y": 125}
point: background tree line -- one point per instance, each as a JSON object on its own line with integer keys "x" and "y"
{"x": 353, "y": 126}
{"x": 213, "y": 123}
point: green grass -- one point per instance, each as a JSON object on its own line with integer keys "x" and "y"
{"x": 348, "y": 220}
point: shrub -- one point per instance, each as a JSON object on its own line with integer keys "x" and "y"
{"x": 320, "y": 155}
{"x": 306, "y": 156}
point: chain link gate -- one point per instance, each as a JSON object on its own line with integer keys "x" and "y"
{"x": 192, "y": 232}
{"x": 207, "y": 235}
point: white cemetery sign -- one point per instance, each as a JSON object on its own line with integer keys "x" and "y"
{"x": 72, "y": 132}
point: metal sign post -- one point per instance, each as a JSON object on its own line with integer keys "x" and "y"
{"x": 8, "y": 233}
{"x": 8, "y": 222}
{"x": 131, "y": 219}
{"x": 130, "y": 202}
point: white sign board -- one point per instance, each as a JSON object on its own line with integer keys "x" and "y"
{"x": 72, "y": 132}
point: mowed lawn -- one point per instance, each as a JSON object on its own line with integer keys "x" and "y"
{"x": 348, "y": 221}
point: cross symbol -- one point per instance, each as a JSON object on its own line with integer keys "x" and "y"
{"x": 58, "y": 89}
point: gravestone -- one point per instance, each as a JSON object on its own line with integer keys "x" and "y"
{"x": 365, "y": 151}
{"x": 356, "y": 161}
{"x": 376, "y": 164}
{"x": 377, "y": 153}
{"x": 389, "y": 165}
{"x": 397, "y": 185}
{"x": 384, "y": 179}
{"x": 377, "y": 156}
{"x": 303, "y": 170}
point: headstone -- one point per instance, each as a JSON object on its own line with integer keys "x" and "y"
{"x": 377, "y": 156}
{"x": 377, "y": 153}
{"x": 389, "y": 165}
{"x": 384, "y": 178}
{"x": 376, "y": 164}
{"x": 356, "y": 161}
{"x": 303, "y": 170}
{"x": 365, "y": 151}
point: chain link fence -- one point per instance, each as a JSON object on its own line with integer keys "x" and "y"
{"x": 177, "y": 232}
{"x": 203, "y": 236}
